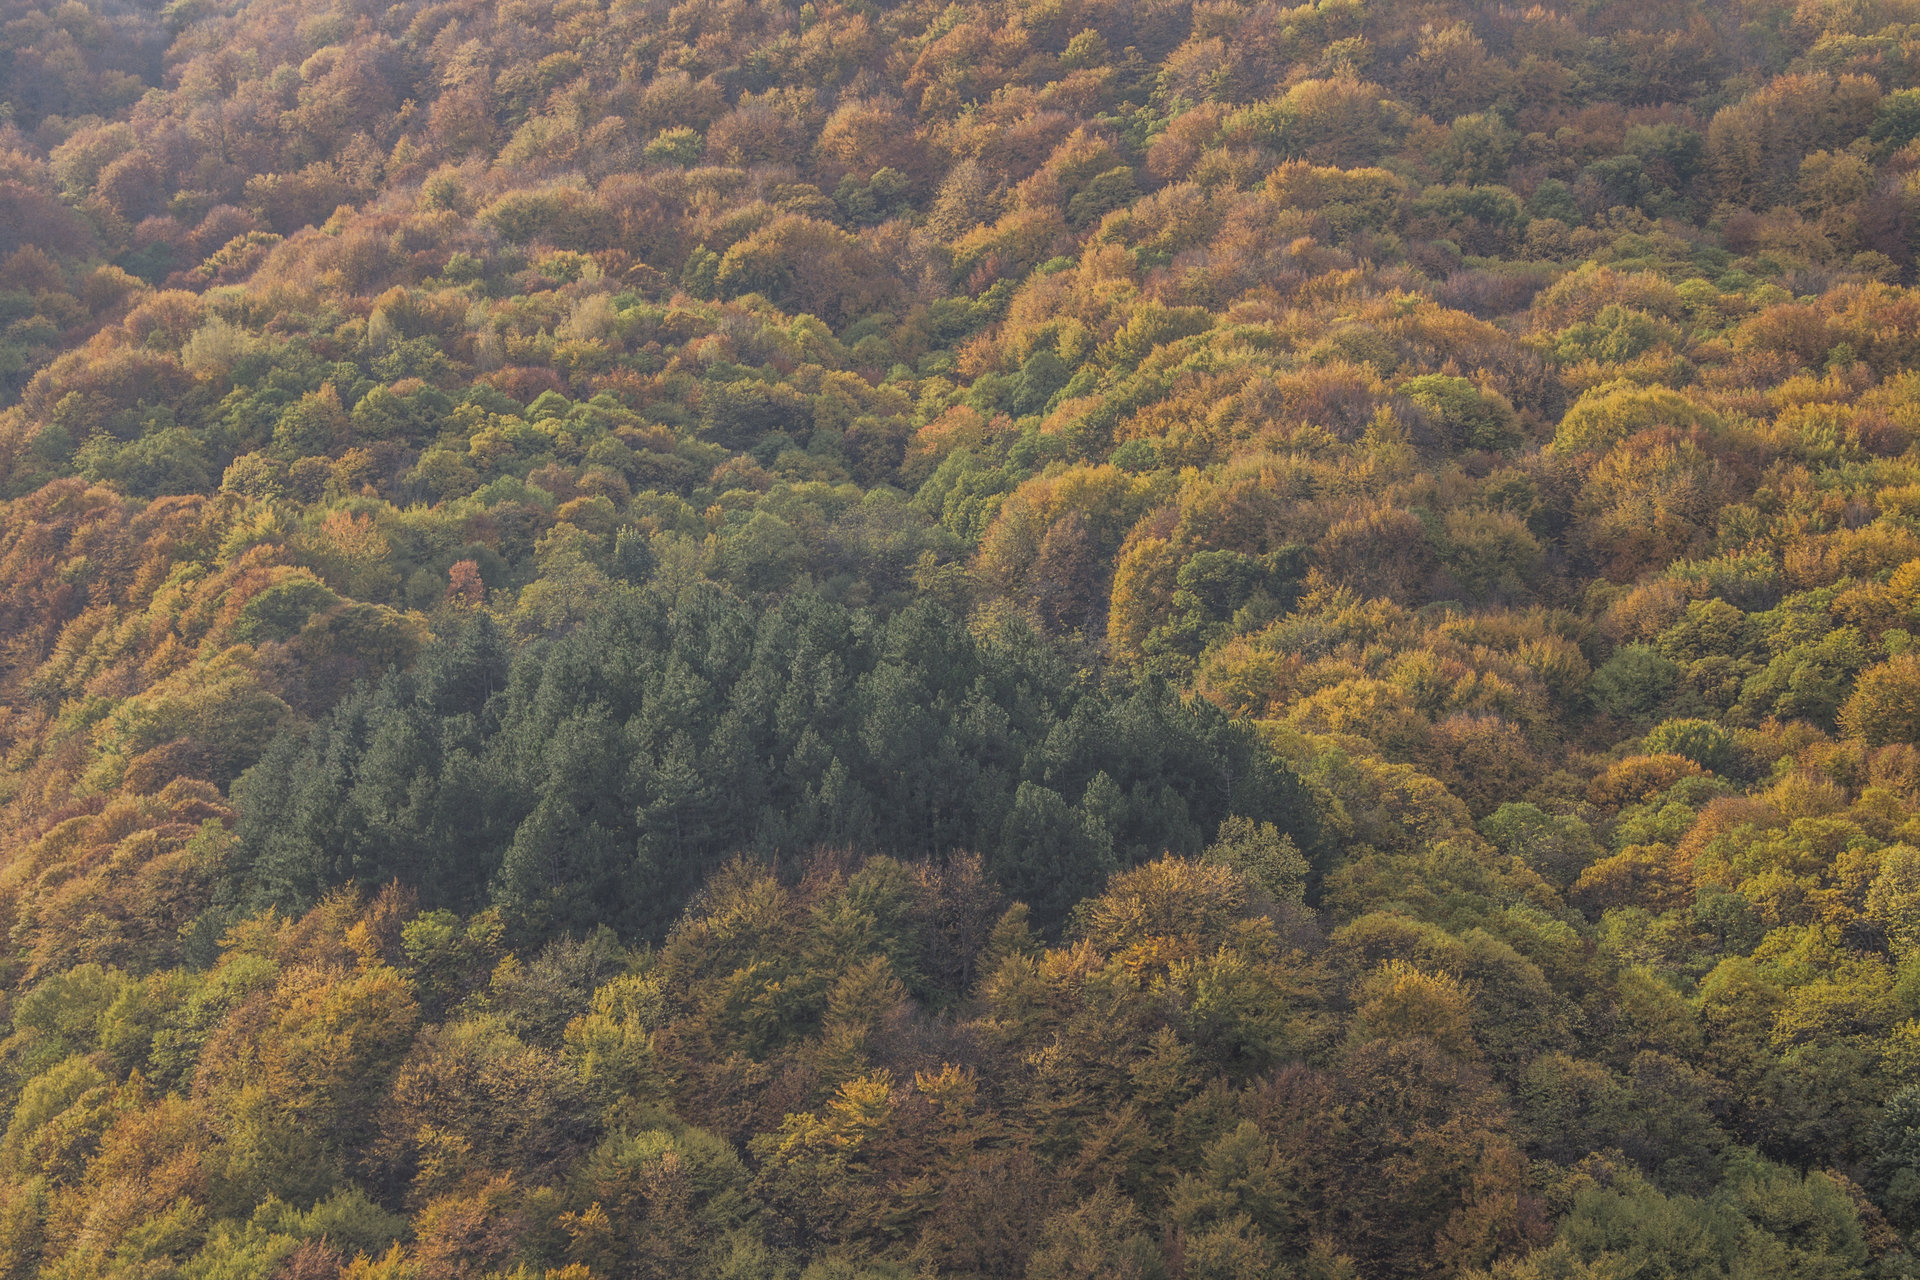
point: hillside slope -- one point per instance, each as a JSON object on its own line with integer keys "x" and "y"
{"x": 1184, "y": 640}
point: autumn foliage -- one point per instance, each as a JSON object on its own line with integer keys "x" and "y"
{"x": 849, "y": 641}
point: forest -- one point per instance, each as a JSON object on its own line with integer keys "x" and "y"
{"x": 1019, "y": 639}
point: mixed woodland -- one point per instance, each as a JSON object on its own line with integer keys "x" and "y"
{"x": 877, "y": 639}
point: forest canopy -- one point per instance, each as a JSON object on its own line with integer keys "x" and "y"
{"x": 873, "y": 639}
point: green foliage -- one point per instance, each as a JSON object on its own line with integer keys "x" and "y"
{"x": 1221, "y": 593}
{"x": 1885, "y": 704}
{"x": 1614, "y": 412}
{"x": 1765, "y": 1219}
{"x": 1267, "y": 859}
{"x": 1635, "y": 681}
{"x": 1468, "y": 417}
{"x": 1701, "y": 741}
{"x": 489, "y": 779}
{"x": 1559, "y": 847}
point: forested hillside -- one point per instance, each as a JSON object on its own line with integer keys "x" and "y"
{"x": 1049, "y": 639}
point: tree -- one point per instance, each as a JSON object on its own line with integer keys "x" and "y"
{"x": 1894, "y": 895}
{"x": 1343, "y": 121}
{"x": 1701, "y": 741}
{"x": 1885, "y": 704}
{"x": 1105, "y": 1236}
{"x": 1755, "y": 146}
{"x": 1457, "y": 1179}
{"x": 1635, "y": 681}
{"x": 1269, "y": 861}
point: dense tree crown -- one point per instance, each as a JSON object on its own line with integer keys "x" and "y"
{"x": 893, "y": 639}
